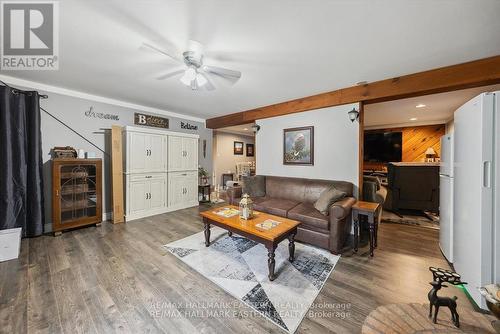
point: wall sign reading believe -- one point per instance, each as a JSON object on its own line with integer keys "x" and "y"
{"x": 150, "y": 120}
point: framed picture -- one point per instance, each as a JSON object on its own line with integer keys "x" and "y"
{"x": 238, "y": 148}
{"x": 298, "y": 146}
{"x": 250, "y": 150}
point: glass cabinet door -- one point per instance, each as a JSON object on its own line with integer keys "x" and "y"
{"x": 78, "y": 198}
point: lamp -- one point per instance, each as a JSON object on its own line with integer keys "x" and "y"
{"x": 353, "y": 115}
{"x": 255, "y": 128}
{"x": 188, "y": 76}
{"x": 246, "y": 207}
{"x": 191, "y": 75}
{"x": 430, "y": 154}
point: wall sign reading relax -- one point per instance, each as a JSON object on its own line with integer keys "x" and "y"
{"x": 187, "y": 126}
{"x": 150, "y": 120}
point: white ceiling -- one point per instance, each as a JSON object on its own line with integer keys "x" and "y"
{"x": 244, "y": 129}
{"x": 439, "y": 108}
{"x": 285, "y": 49}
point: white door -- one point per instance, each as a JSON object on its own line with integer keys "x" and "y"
{"x": 137, "y": 152}
{"x": 175, "y": 153}
{"x": 190, "y": 153}
{"x": 191, "y": 185}
{"x": 156, "y": 157}
{"x": 157, "y": 194}
{"x": 473, "y": 151}
{"x": 138, "y": 201}
{"x": 446, "y": 216}
{"x": 175, "y": 189}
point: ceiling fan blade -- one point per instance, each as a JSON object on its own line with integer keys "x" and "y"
{"x": 222, "y": 71}
{"x": 170, "y": 74}
{"x": 209, "y": 85}
{"x": 154, "y": 48}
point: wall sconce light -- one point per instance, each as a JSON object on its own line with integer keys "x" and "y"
{"x": 255, "y": 128}
{"x": 353, "y": 115}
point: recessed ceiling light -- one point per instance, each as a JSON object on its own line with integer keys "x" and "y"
{"x": 420, "y": 105}
{"x": 245, "y": 129}
{"x": 413, "y": 119}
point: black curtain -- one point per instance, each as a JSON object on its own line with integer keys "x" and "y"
{"x": 21, "y": 178}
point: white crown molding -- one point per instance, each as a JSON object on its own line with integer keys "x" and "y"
{"x": 404, "y": 125}
{"x": 96, "y": 98}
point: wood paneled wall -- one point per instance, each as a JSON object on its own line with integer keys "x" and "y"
{"x": 416, "y": 140}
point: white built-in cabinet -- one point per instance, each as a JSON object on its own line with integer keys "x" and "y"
{"x": 160, "y": 171}
{"x": 182, "y": 188}
{"x": 182, "y": 154}
{"x": 147, "y": 153}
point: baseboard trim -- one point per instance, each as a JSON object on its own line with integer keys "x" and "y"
{"x": 132, "y": 217}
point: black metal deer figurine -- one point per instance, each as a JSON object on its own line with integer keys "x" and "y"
{"x": 440, "y": 276}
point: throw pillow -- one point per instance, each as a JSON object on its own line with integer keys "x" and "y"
{"x": 327, "y": 198}
{"x": 254, "y": 186}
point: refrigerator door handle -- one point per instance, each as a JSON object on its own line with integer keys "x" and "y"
{"x": 487, "y": 174}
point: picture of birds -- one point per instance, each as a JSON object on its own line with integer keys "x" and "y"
{"x": 299, "y": 146}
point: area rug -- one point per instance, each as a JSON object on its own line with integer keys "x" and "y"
{"x": 409, "y": 219}
{"x": 239, "y": 266}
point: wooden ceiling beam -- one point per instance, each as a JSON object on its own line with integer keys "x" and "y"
{"x": 475, "y": 73}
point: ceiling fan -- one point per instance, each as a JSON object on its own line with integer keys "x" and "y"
{"x": 195, "y": 74}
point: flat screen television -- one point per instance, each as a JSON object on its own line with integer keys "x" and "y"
{"x": 383, "y": 146}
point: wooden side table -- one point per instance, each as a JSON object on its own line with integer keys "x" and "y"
{"x": 204, "y": 193}
{"x": 369, "y": 210}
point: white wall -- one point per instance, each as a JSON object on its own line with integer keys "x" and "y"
{"x": 450, "y": 127}
{"x": 224, "y": 158}
{"x": 336, "y": 145}
{"x": 72, "y": 109}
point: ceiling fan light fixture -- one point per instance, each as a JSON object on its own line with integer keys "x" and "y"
{"x": 201, "y": 80}
{"x": 188, "y": 76}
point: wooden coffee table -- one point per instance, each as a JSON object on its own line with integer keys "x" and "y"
{"x": 246, "y": 228}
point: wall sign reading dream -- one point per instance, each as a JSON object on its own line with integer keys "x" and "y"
{"x": 150, "y": 120}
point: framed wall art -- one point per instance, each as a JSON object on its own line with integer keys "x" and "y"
{"x": 250, "y": 150}
{"x": 298, "y": 146}
{"x": 238, "y": 148}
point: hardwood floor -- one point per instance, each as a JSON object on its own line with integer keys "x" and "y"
{"x": 112, "y": 278}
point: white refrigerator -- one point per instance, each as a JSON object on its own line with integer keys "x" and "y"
{"x": 446, "y": 197}
{"x": 476, "y": 229}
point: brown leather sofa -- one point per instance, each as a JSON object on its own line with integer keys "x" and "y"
{"x": 294, "y": 198}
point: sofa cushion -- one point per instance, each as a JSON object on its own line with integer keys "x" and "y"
{"x": 327, "y": 198}
{"x": 255, "y": 186}
{"x": 286, "y": 187}
{"x": 309, "y": 216}
{"x": 275, "y": 206}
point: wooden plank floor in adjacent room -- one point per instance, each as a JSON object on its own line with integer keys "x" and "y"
{"x": 110, "y": 278}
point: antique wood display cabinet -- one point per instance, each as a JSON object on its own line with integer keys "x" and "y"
{"x": 76, "y": 193}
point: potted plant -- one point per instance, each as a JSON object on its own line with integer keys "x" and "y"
{"x": 203, "y": 175}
